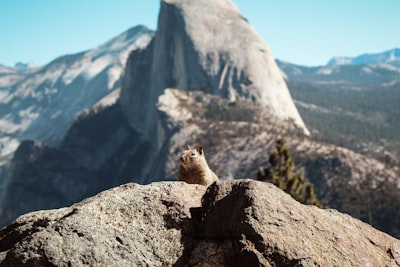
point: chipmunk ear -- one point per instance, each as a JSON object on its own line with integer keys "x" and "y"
{"x": 200, "y": 150}
{"x": 189, "y": 147}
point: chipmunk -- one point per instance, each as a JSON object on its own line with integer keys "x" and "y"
{"x": 194, "y": 168}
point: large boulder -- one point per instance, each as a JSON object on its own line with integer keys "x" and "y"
{"x": 231, "y": 223}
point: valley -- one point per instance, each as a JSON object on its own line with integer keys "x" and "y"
{"x": 354, "y": 106}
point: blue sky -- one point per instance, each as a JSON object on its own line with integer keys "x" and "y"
{"x": 307, "y": 32}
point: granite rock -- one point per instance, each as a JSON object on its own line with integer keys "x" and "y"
{"x": 230, "y": 223}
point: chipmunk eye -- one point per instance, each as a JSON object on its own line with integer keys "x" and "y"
{"x": 193, "y": 154}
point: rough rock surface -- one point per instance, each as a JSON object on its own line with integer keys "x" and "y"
{"x": 231, "y": 223}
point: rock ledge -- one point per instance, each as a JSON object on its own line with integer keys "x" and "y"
{"x": 230, "y": 223}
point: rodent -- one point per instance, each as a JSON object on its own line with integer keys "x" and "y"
{"x": 194, "y": 168}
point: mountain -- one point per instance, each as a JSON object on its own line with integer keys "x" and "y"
{"x": 389, "y": 56}
{"x": 184, "y": 88}
{"x": 11, "y": 75}
{"x": 42, "y": 104}
{"x": 347, "y": 77}
{"x": 208, "y": 46}
{"x": 355, "y": 106}
{"x": 131, "y": 139}
{"x": 25, "y": 66}
{"x": 231, "y": 223}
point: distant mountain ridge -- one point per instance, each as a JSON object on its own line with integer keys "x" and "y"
{"x": 389, "y": 56}
{"x": 355, "y": 106}
{"x": 31, "y": 99}
{"x": 356, "y": 75}
{"x": 11, "y": 75}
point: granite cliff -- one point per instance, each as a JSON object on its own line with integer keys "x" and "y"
{"x": 208, "y": 46}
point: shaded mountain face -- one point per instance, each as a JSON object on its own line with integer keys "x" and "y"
{"x": 390, "y": 56}
{"x": 355, "y": 106}
{"x": 98, "y": 152}
{"x": 42, "y": 104}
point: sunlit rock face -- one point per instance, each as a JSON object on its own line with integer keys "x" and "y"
{"x": 208, "y": 46}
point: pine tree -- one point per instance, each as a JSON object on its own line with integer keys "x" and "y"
{"x": 282, "y": 175}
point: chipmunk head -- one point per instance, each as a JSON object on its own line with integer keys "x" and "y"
{"x": 191, "y": 156}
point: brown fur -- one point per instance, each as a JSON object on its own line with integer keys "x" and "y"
{"x": 194, "y": 168}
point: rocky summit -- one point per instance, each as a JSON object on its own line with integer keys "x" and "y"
{"x": 208, "y": 46}
{"x": 230, "y": 223}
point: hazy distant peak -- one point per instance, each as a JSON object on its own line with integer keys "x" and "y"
{"x": 23, "y": 65}
{"x": 339, "y": 61}
{"x": 388, "y": 56}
